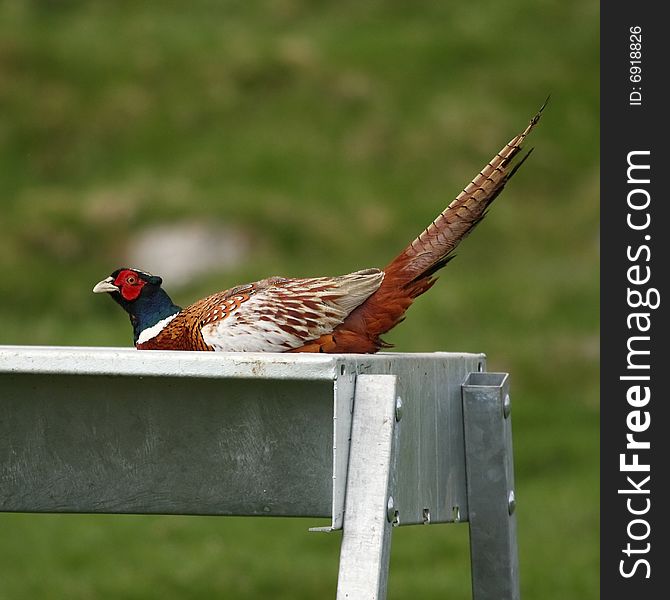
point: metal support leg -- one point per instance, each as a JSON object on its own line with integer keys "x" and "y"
{"x": 369, "y": 510}
{"x": 490, "y": 485}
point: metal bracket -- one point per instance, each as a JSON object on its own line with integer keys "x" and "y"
{"x": 370, "y": 441}
{"x": 370, "y": 510}
{"x": 490, "y": 486}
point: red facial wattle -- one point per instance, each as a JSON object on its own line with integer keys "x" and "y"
{"x": 130, "y": 284}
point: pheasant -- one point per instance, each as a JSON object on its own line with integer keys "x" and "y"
{"x": 346, "y": 314}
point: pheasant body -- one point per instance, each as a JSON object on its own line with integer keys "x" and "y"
{"x": 272, "y": 315}
{"x": 348, "y": 313}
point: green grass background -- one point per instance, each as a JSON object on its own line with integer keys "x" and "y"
{"x": 332, "y": 132}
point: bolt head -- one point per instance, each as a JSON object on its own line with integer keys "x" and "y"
{"x": 398, "y": 408}
{"x": 507, "y": 405}
{"x": 392, "y": 513}
{"x": 511, "y": 503}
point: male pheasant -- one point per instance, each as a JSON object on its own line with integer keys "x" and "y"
{"x": 349, "y": 313}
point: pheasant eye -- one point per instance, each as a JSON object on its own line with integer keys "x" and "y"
{"x": 131, "y": 280}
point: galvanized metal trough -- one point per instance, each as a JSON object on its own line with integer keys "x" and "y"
{"x": 369, "y": 441}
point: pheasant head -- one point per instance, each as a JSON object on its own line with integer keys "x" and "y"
{"x": 140, "y": 294}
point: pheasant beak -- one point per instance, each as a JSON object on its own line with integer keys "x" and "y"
{"x": 105, "y": 285}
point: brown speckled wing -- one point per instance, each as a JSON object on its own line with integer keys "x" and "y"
{"x": 278, "y": 314}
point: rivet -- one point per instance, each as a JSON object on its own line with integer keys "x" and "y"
{"x": 507, "y": 406}
{"x": 511, "y": 502}
{"x": 398, "y": 408}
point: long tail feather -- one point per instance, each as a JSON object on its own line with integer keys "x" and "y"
{"x": 411, "y": 273}
{"x": 431, "y": 250}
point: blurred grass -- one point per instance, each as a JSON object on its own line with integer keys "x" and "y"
{"x": 334, "y": 132}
